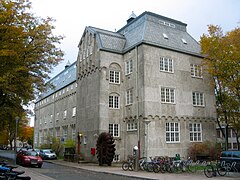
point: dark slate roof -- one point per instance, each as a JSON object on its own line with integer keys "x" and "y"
{"x": 148, "y": 28}
{"x": 64, "y": 78}
{"x": 108, "y": 40}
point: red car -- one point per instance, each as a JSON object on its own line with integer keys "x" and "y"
{"x": 29, "y": 158}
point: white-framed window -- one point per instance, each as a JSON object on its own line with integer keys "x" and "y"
{"x": 114, "y": 130}
{"x": 114, "y": 77}
{"x": 116, "y": 158}
{"x": 113, "y": 102}
{"x": 64, "y": 114}
{"x": 73, "y": 133}
{"x": 196, "y": 70}
{"x": 128, "y": 67}
{"x": 65, "y": 132}
{"x": 167, "y": 95}
{"x": 131, "y": 126}
{"x": 51, "y": 118}
{"x": 40, "y": 137}
{"x": 195, "y": 130}
{"x": 198, "y": 99}
{"x": 129, "y": 97}
{"x": 73, "y": 111}
{"x": 57, "y": 131}
{"x": 166, "y": 64}
{"x": 172, "y": 132}
{"x": 51, "y": 132}
{"x": 57, "y": 116}
{"x": 184, "y": 41}
{"x": 165, "y": 36}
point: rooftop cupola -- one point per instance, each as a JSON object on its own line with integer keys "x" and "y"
{"x": 131, "y": 17}
{"x": 68, "y": 64}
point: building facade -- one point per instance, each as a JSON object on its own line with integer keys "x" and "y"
{"x": 145, "y": 84}
{"x": 55, "y": 110}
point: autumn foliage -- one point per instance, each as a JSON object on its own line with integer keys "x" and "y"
{"x": 28, "y": 52}
{"x": 222, "y": 59}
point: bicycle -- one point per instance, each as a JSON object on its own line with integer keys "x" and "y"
{"x": 152, "y": 166}
{"x": 128, "y": 165}
{"x": 143, "y": 163}
{"x": 211, "y": 170}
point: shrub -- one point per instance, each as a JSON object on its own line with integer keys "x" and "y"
{"x": 205, "y": 149}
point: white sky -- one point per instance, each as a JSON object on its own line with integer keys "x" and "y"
{"x": 72, "y": 16}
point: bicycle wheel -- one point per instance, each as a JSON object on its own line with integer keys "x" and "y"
{"x": 209, "y": 171}
{"x": 150, "y": 167}
{"x": 163, "y": 168}
{"x": 130, "y": 166}
{"x": 222, "y": 170}
{"x": 125, "y": 166}
{"x": 192, "y": 168}
{"x": 156, "y": 168}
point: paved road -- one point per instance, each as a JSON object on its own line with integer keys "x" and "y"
{"x": 60, "y": 172}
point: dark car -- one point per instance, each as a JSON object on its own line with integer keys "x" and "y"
{"x": 47, "y": 154}
{"x": 29, "y": 158}
{"x": 230, "y": 157}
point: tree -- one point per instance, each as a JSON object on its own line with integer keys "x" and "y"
{"x": 222, "y": 55}
{"x": 26, "y": 134}
{"x": 28, "y": 52}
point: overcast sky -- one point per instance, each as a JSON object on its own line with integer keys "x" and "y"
{"x": 72, "y": 16}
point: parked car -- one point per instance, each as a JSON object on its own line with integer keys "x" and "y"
{"x": 47, "y": 154}
{"x": 230, "y": 157}
{"x": 21, "y": 149}
{"x": 36, "y": 150}
{"x": 29, "y": 158}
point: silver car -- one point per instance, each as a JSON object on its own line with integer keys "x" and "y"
{"x": 47, "y": 154}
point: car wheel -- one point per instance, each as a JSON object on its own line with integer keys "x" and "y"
{"x": 40, "y": 165}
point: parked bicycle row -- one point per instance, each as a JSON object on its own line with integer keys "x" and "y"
{"x": 164, "y": 164}
{"x": 171, "y": 165}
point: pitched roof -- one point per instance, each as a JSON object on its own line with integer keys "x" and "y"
{"x": 64, "y": 78}
{"x": 148, "y": 28}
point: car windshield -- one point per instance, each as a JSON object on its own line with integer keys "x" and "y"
{"x": 47, "y": 151}
{"x": 30, "y": 153}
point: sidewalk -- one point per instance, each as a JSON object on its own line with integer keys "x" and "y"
{"x": 117, "y": 169}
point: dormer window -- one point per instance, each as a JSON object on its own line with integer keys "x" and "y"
{"x": 184, "y": 41}
{"x": 165, "y": 36}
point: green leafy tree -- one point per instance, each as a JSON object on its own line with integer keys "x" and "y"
{"x": 222, "y": 55}
{"x": 28, "y": 52}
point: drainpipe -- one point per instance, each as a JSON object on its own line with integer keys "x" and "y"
{"x": 137, "y": 97}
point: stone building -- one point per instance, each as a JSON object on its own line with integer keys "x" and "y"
{"x": 55, "y": 110}
{"x": 145, "y": 84}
